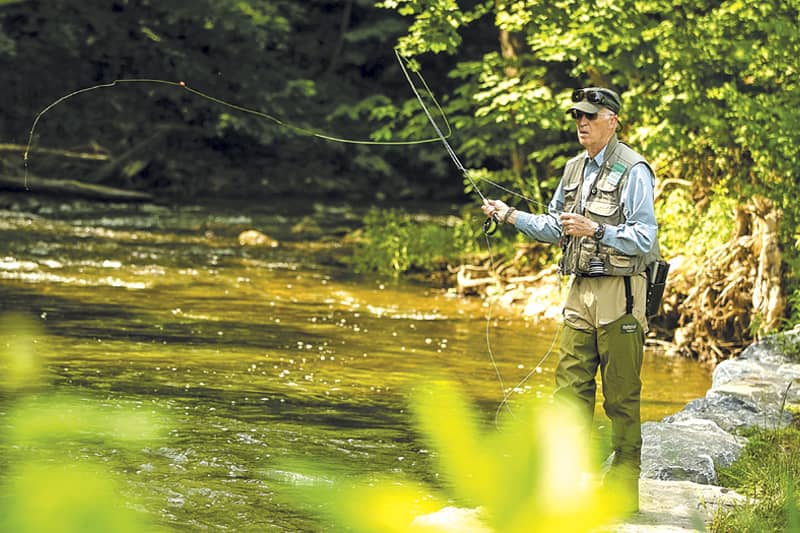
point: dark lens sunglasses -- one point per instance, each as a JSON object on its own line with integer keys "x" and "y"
{"x": 577, "y": 114}
{"x": 592, "y": 96}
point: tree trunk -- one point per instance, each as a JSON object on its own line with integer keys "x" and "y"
{"x": 509, "y": 54}
{"x": 768, "y": 300}
{"x": 337, "y": 49}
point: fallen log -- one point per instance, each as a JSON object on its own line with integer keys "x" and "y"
{"x": 35, "y": 184}
{"x": 5, "y": 147}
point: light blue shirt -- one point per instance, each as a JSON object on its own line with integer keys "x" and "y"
{"x": 635, "y": 236}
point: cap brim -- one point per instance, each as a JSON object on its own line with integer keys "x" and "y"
{"x": 585, "y": 106}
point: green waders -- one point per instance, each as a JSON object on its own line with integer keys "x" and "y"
{"x": 616, "y": 348}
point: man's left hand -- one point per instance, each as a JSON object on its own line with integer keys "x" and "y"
{"x": 577, "y": 225}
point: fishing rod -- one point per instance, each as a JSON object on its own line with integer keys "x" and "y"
{"x": 489, "y": 227}
{"x": 491, "y": 224}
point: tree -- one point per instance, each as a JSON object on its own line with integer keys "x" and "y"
{"x": 710, "y": 92}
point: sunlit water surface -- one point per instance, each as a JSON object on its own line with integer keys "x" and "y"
{"x": 252, "y": 355}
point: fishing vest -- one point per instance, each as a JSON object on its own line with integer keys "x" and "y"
{"x": 603, "y": 205}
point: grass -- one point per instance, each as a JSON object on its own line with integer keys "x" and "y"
{"x": 768, "y": 474}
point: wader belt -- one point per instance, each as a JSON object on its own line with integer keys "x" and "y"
{"x": 628, "y": 296}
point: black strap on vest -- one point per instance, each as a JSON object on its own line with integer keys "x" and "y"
{"x": 628, "y": 296}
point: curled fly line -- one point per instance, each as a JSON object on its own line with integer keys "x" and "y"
{"x": 247, "y": 110}
{"x": 489, "y": 226}
{"x": 488, "y": 230}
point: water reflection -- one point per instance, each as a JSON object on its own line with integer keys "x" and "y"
{"x": 256, "y": 354}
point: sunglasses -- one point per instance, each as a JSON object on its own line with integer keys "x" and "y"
{"x": 577, "y": 114}
{"x": 591, "y": 96}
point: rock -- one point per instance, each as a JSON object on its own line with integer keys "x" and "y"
{"x": 772, "y": 349}
{"x": 664, "y": 507}
{"x": 253, "y": 237}
{"x": 680, "y": 454}
{"x": 739, "y": 369}
{"x": 755, "y": 389}
{"x": 453, "y": 519}
{"x": 687, "y": 450}
{"x": 676, "y": 506}
{"x": 739, "y": 405}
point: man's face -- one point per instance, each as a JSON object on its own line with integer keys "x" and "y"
{"x": 594, "y": 134}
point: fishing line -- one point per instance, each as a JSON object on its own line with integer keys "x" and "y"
{"x": 440, "y": 136}
{"x": 237, "y": 107}
{"x": 475, "y": 187}
{"x": 506, "y": 393}
{"x": 536, "y": 369}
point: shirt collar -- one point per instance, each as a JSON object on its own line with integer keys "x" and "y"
{"x": 599, "y": 158}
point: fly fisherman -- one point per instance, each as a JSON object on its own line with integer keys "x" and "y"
{"x": 602, "y": 214}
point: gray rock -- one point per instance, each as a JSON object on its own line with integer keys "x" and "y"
{"x": 737, "y": 369}
{"x": 752, "y": 390}
{"x": 738, "y": 405}
{"x": 772, "y": 349}
{"x": 687, "y": 450}
{"x": 676, "y": 506}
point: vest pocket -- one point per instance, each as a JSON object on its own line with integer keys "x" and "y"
{"x": 624, "y": 264}
{"x": 607, "y": 187}
{"x": 614, "y": 263}
{"x": 604, "y": 211}
{"x": 570, "y": 187}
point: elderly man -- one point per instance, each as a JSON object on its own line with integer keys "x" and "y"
{"x": 602, "y": 214}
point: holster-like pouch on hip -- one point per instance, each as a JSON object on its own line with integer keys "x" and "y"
{"x": 656, "y": 283}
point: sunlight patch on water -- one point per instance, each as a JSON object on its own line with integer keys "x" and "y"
{"x": 39, "y": 277}
{"x": 416, "y": 316}
{"x": 9, "y": 263}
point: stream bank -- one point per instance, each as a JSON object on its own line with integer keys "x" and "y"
{"x": 681, "y": 453}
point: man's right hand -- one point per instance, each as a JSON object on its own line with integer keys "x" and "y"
{"x": 499, "y": 211}
{"x": 494, "y": 209}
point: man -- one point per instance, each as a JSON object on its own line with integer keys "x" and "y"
{"x": 602, "y": 214}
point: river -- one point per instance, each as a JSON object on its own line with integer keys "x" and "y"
{"x": 250, "y": 355}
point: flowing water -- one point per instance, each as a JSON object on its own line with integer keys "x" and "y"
{"x": 251, "y": 355}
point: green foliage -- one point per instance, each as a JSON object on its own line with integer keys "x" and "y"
{"x": 685, "y": 230}
{"x": 436, "y": 23}
{"x": 710, "y": 95}
{"x": 531, "y": 474}
{"x": 791, "y": 259}
{"x": 395, "y": 242}
{"x": 793, "y": 302}
{"x": 768, "y": 473}
{"x": 789, "y": 343}
{"x": 45, "y": 489}
{"x": 301, "y": 62}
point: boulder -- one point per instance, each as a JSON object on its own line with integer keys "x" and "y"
{"x": 756, "y": 389}
{"x": 253, "y": 237}
{"x": 687, "y": 450}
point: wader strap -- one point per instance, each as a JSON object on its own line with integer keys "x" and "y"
{"x": 628, "y": 296}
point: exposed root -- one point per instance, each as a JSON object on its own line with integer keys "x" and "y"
{"x": 734, "y": 295}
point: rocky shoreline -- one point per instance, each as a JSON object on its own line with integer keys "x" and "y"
{"x": 682, "y": 452}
